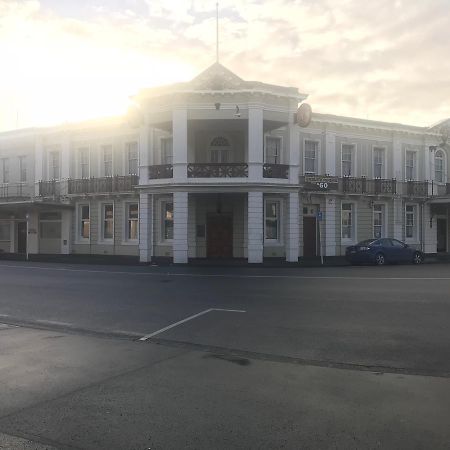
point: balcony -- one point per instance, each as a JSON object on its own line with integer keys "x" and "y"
{"x": 416, "y": 188}
{"x": 15, "y": 191}
{"x": 217, "y": 170}
{"x": 49, "y": 188}
{"x": 276, "y": 171}
{"x": 160, "y": 172}
{"x": 103, "y": 185}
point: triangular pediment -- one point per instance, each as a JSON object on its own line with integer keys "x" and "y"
{"x": 217, "y": 78}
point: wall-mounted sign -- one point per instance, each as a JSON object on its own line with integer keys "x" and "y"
{"x": 304, "y": 115}
{"x": 321, "y": 183}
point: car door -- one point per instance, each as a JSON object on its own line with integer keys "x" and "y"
{"x": 386, "y": 247}
{"x": 402, "y": 253}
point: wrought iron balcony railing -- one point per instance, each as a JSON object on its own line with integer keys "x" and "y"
{"x": 217, "y": 170}
{"x": 117, "y": 183}
{"x": 161, "y": 171}
{"x": 276, "y": 171}
{"x": 15, "y": 190}
{"x": 50, "y": 188}
{"x": 416, "y": 188}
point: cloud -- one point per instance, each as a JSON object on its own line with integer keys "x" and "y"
{"x": 386, "y": 60}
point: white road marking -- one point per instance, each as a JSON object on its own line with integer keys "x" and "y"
{"x": 53, "y": 322}
{"x": 222, "y": 275}
{"x": 148, "y": 336}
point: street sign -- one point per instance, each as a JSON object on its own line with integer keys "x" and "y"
{"x": 321, "y": 183}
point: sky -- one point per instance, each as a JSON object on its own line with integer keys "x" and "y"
{"x": 64, "y": 61}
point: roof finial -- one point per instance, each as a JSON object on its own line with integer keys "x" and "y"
{"x": 217, "y": 32}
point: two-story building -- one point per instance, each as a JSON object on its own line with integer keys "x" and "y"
{"x": 218, "y": 167}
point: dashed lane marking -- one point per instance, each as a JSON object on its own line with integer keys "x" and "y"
{"x": 173, "y": 325}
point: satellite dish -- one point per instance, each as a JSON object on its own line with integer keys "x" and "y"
{"x": 304, "y": 115}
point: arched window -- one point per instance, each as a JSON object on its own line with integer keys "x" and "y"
{"x": 220, "y": 150}
{"x": 220, "y": 141}
{"x": 439, "y": 160}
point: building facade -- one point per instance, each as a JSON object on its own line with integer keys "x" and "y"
{"x": 219, "y": 168}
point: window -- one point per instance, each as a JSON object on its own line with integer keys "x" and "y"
{"x": 22, "y": 169}
{"x": 5, "y": 170}
{"x": 410, "y": 165}
{"x": 311, "y": 152}
{"x": 132, "y": 155}
{"x": 347, "y": 221}
{"x": 220, "y": 151}
{"x": 397, "y": 244}
{"x": 53, "y": 166}
{"x": 50, "y": 225}
{"x": 378, "y": 220}
{"x": 273, "y": 150}
{"x": 410, "y": 221}
{"x": 167, "y": 221}
{"x": 272, "y": 221}
{"x": 85, "y": 222}
{"x": 378, "y": 162}
{"x": 4, "y": 231}
{"x": 83, "y": 159}
{"x": 347, "y": 157}
{"x": 108, "y": 221}
{"x": 132, "y": 221}
{"x": 166, "y": 151}
{"x": 107, "y": 160}
{"x": 439, "y": 166}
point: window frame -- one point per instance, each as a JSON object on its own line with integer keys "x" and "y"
{"x": 279, "y": 221}
{"x": 80, "y": 239}
{"x": 103, "y": 161}
{"x": 51, "y": 167}
{"x": 414, "y": 167}
{"x": 414, "y": 237}
{"x": 102, "y": 221}
{"x": 80, "y": 163}
{"x": 444, "y": 165}
{"x": 317, "y": 157}
{"x": 23, "y": 169}
{"x": 383, "y": 163}
{"x": 5, "y": 170}
{"x": 352, "y": 161}
{"x": 163, "y": 157}
{"x": 162, "y": 224}
{"x": 126, "y": 238}
{"x": 353, "y": 238}
{"x": 383, "y": 220}
{"x": 128, "y": 145}
{"x": 280, "y": 149}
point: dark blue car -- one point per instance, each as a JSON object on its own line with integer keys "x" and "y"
{"x": 382, "y": 251}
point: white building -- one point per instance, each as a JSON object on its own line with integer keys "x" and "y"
{"x": 218, "y": 168}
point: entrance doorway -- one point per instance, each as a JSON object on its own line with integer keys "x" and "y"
{"x": 309, "y": 236}
{"x": 219, "y": 233}
{"x": 441, "y": 225}
{"x": 21, "y": 237}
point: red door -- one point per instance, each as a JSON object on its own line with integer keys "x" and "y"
{"x": 219, "y": 232}
{"x": 309, "y": 236}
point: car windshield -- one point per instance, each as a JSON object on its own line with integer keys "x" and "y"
{"x": 366, "y": 243}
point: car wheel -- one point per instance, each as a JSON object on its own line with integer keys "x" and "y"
{"x": 380, "y": 260}
{"x": 417, "y": 258}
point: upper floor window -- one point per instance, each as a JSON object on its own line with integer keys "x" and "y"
{"x": 166, "y": 151}
{"x": 132, "y": 157}
{"x": 410, "y": 165}
{"x": 273, "y": 150}
{"x": 272, "y": 221}
{"x": 220, "y": 150}
{"x": 22, "y": 169}
{"x": 53, "y": 165}
{"x": 378, "y": 162}
{"x": 107, "y": 155}
{"x": 347, "y": 159}
{"x": 5, "y": 170}
{"x": 311, "y": 154}
{"x": 83, "y": 160}
{"x": 439, "y": 160}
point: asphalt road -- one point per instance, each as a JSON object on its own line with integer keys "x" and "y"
{"x": 349, "y": 357}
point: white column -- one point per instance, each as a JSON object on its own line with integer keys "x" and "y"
{"x": 145, "y": 227}
{"x": 294, "y": 153}
{"x": 144, "y": 153}
{"x": 429, "y": 232}
{"x": 180, "y": 227}
{"x": 255, "y": 227}
{"x": 38, "y": 163}
{"x": 292, "y": 229}
{"x": 255, "y": 143}
{"x": 66, "y": 226}
{"x": 330, "y": 153}
{"x": 179, "y": 130}
{"x": 330, "y": 226}
{"x": 398, "y": 219}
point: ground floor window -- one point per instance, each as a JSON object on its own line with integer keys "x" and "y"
{"x": 347, "y": 221}
{"x": 4, "y": 231}
{"x": 132, "y": 221}
{"x": 85, "y": 222}
{"x": 378, "y": 220}
{"x": 50, "y": 225}
{"x": 108, "y": 221}
{"x": 272, "y": 220}
{"x": 167, "y": 221}
{"x": 410, "y": 221}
